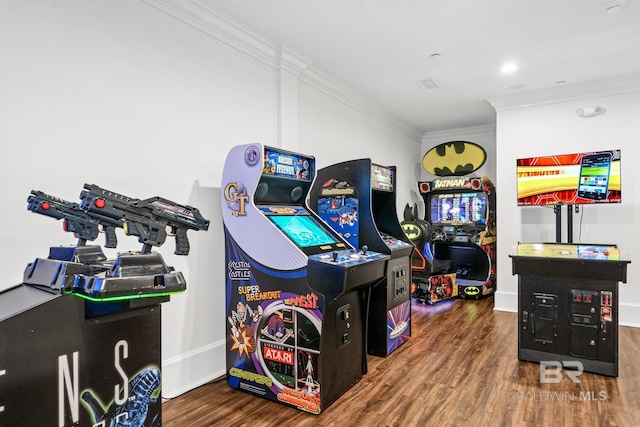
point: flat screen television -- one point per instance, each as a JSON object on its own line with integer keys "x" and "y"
{"x": 303, "y": 230}
{"x": 579, "y": 178}
{"x": 458, "y": 208}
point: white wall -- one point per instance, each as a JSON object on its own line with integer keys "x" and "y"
{"x": 546, "y": 123}
{"x": 145, "y": 98}
{"x": 338, "y": 132}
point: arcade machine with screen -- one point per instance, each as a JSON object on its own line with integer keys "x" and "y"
{"x": 296, "y": 291}
{"x": 80, "y": 337}
{"x": 568, "y": 293}
{"x": 568, "y": 304}
{"x": 461, "y": 214}
{"x": 357, "y": 199}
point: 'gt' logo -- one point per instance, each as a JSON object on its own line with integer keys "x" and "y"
{"x": 236, "y": 196}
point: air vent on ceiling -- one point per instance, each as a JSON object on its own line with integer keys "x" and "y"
{"x": 430, "y": 84}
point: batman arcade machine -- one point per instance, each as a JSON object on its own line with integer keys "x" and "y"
{"x": 358, "y": 199}
{"x": 296, "y": 291}
{"x": 461, "y": 214}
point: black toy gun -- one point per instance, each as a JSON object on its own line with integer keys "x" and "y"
{"x": 150, "y": 219}
{"x": 81, "y": 224}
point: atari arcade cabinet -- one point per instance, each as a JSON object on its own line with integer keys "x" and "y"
{"x": 357, "y": 198}
{"x": 80, "y": 337}
{"x": 296, "y": 291}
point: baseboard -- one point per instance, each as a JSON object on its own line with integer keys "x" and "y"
{"x": 505, "y": 301}
{"x": 629, "y": 314}
{"x": 188, "y": 371}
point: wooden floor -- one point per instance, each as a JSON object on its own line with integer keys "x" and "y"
{"x": 460, "y": 368}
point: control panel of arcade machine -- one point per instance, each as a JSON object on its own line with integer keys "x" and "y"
{"x": 314, "y": 239}
{"x": 346, "y": 257}
{"x": 392, "y": 242}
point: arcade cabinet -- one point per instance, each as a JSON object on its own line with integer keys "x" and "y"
{"x": 60, "y": 357}
{"x": 357, "y": 199}
{"x": 568, "y": 304}
{"x": 431, "y": 280}
{"x": 296, "y": 291}
{"x": 461, "y": 215}
{"x": 80, "y": 337}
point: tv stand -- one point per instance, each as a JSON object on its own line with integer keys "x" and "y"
{"x": 557, "y": 209}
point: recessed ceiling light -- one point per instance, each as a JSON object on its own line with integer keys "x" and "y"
{"x": 507, "y": 68}
{"x": 435, "y": 56}
{"x": 561, "y": 82}
{"x": 518, "y": 86}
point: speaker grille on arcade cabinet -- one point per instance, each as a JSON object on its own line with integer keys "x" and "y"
{"x": 261, "y": 190}
{"x": 296, "y": 194}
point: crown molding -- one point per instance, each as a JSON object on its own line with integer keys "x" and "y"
{"x": 292, "y": 61}
{"x": 570, "y": 92}
{"x": 203, "y": 17}
{"x": 460, "y": 134}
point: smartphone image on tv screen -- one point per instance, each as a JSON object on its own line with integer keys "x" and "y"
{"x": 594, "y": 176}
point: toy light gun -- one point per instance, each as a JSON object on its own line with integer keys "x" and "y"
{"x": 150, "y": 219}
{"x": 83, "y": 226}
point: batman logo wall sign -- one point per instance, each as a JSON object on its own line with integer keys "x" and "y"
{"x": 454, "y": 158}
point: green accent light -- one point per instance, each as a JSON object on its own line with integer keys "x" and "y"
{"x": 124, "y": 297}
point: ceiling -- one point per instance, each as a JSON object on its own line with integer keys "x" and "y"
{"x": 383, "y": 49}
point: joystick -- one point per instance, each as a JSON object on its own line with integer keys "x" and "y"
{"x": 335, "y": 256}
{"x": 365, "y": 248}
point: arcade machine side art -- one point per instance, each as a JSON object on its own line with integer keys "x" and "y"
{"x": 431, "y": 281}
{"x": 357, "y": 198}
{"x": 296, "y": 292}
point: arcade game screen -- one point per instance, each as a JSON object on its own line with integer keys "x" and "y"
{"x": 381, "y": 178}
{"x": 303, "y": 230}
{"x": 551, "y": 250}
{"x": 458, "y": 208}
